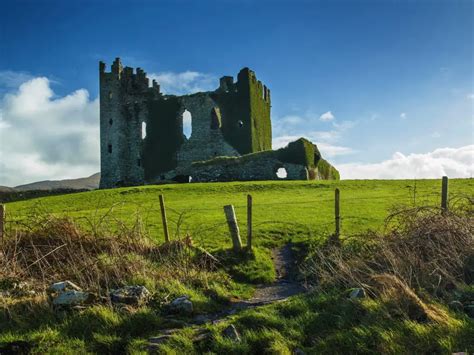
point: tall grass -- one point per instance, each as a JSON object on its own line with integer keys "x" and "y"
{"x": 56, "y": 248}
{"x": 422, "y": 251}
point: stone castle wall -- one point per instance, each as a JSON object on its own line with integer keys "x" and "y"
{"x": 231, "y": 121}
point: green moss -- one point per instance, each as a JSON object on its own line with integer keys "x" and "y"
{"x": 327, "y": 171}
{"x": 260, "y": 116}
{"x": 252, "y": 267}
{"x": 244, "y": 102}
{"x": 236, "y": 160}
{"x": 301, "y": 151}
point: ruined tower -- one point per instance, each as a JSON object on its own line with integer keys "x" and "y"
{"x": 142, "y": 139}
{"x": 123, "y": 110}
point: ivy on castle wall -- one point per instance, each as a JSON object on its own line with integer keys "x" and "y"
{"x": 327, "y": 171}
{"x": 301, "y": 151}
{"x": 245, "y": 115}
{"x": 260, "y": 115}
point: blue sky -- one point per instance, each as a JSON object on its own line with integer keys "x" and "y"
{"x": 381, "y": 86}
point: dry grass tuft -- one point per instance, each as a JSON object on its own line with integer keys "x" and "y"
{"x": 421, "y": 251}
{"x": 55, "y": 249}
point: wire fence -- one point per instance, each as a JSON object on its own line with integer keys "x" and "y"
{"x": 206, "y": 223}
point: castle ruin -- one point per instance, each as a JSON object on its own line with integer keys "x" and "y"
{"x": 142, "y": 139}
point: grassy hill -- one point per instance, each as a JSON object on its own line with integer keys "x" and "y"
{"x": 421, "y": 266}
{"x": 297, "y": 209}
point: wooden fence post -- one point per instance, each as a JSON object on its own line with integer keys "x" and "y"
{"x": 233, "y": 227}
{"x": 2, "y": 221}
{"x": 163, "y": 218}
{"x": 444, "y": 194}
{"x": 336, "y": 213}
{"x": 249, "y": 222}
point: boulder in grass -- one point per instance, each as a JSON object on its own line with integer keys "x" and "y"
{"x": 71, "y": 298}
{"x": 132, "y": 295}
{"x": 181, "y": 305}
{"x": 64, "y": 286}
{"x": 357, "y": 293}
{"x": 66, "y": 293}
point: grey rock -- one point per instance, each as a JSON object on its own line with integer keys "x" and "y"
{"x": 64, "y": 286}
{"x": 299, "y": 352}
{"x": 181, "y": 305}
{"x": 231, "y": 333}
{"x": 159, "y": 339}
{"x": 71, "y": 298}
{"x": 133, "y": 295}
{"x": 357, "y": 293}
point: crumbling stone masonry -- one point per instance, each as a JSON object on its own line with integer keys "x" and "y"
{"x": 231, "y": 135}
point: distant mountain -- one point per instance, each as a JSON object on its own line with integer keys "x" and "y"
{"x": 88, "y": 183}
{"x": 6, "y": 189}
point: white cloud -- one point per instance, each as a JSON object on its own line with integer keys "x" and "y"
{"x": 452, "y": 162}
{"x": 435, "y": 135}
{"x": 291, "y": 120}
{"x": 403, "y": 116}
{"x": 47, "y": 137}
{"x": 470, "y": 96}
{"x": 327, "y": 116}
{"x": 12, "y": 79}
{"x": 184, "y": 83}
{"x": 330, "y": 150}
{"x": 326, "y": 149}
{"x": 292, "y": 127}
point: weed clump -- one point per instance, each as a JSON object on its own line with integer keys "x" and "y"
{"x": 422, "y": 254}
{"x": 58, "y": 249}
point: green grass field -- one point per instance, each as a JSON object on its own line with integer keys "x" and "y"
{"x": 320, "y": 322}
{"x": 296, "y": 209}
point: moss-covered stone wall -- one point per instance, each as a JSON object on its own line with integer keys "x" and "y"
{"x": 326, "y": 171}
{"x": 231, "y": 121}
{"x": 301, "y": 152}
{"x": 245, "y": 108}
{"x": 301, "y": 160}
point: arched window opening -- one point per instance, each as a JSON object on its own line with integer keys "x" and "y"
{"x": 187, "y": 124}
{"x": 143, "y": 130}
{"x": 111, "y": 121}
{"x": 281, "y": 173}
{"x": 110, "y": 148}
